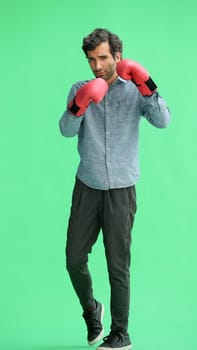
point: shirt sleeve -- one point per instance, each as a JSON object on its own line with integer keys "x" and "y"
{"x": 69, "y": 124}
{"x": 155, "y": 110}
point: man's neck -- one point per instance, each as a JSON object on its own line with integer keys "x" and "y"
{"x": 113, "y": 79}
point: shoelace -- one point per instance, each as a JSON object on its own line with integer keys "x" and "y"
{"x": 112, "y": 335}
{"x": 93, "y": 324}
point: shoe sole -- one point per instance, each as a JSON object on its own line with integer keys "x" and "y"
{"x": 100, "y": 336}
{"x": 126, "y": 347}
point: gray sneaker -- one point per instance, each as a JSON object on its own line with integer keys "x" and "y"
{"x": 117, "y": 341}
{"x": 93, "y": 321}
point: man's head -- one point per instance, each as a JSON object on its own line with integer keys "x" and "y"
{"x": 103, "y": 50}
{"x": 99, "y": 36}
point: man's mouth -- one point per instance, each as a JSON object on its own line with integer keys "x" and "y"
{"x": 99, "y": 74}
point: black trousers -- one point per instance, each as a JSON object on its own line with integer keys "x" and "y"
{"x": 113, "y": 212}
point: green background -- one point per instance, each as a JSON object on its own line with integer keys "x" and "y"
{"x": 40, "y": 58}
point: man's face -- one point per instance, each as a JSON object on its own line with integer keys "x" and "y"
{"x": 102, "y": 63}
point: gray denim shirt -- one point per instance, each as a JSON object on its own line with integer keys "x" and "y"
{"x": 108, "y": 134}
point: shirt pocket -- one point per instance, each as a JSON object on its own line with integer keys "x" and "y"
{"x": 125, "y": 109}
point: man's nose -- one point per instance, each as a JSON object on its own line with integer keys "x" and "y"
{"x": 98, "y": 65}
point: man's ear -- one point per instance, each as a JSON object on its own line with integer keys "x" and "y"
{"x": 118, "y": 57}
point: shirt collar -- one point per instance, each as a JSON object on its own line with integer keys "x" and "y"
{"x": 118, "y": 81}
{"x": 121, "y": 80}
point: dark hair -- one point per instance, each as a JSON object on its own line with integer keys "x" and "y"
{"x": 100, "y": 35}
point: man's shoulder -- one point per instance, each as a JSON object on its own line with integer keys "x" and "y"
{"x": 80, "y": 83}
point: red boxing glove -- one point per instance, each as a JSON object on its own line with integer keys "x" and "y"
{"x": 93, "y": 91}
{"x": 130, "y": 70}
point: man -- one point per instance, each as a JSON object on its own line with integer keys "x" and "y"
{"x": 105, "y": 113}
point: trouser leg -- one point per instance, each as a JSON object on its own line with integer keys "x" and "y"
{"x": 83, "y": 230}
{"x": 118, "y": 218}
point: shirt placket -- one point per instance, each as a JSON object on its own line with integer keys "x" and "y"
{"x": 108, "y": 139}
